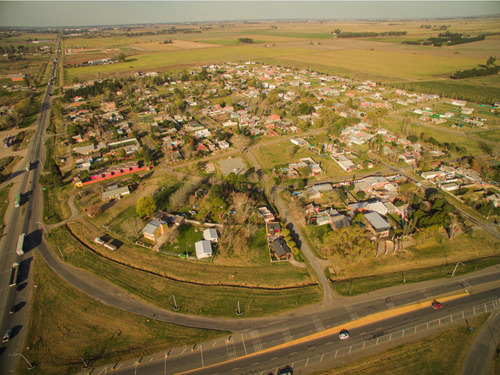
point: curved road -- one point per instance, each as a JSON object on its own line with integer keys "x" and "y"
{"x": 482, "y": 352}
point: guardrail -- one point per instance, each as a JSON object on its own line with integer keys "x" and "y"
{"x": 382, "y": 339}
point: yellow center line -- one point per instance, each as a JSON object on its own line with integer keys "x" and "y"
{"x": 349, "y": 325}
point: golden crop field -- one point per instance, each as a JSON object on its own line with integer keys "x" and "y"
{"x": 297, "y": 44}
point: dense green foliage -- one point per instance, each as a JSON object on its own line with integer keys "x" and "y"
{"x": 453, "y": 89}
{"x": 368, "y": 34}
{"x": 476, "y": 72}
{"x": 97, "y": 88}
{"x": 245, "y": 40}
{"x": 447, "y": 38}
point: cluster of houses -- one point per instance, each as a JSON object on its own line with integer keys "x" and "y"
{"x": 451, "y": 178}
{"x": 278, "y": 248}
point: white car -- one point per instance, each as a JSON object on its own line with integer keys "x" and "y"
{"x": 6, "y": 337}
{"x": 344, "y": 334}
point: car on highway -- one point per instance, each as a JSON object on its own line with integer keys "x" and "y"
{"x": 6, "y": 336}
{"x": 287, "y": 370}
{"x": 344, "y": 334}
{"x": 436, "y": 305}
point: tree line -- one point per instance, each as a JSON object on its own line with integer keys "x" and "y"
{"x": 367, "y": 34}
{"x": 98, "y": 88}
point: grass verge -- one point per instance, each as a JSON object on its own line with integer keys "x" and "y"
{"x": 443, "y": 353}
{"x": 360, "y": 285}
{"x": 55, "y": 206}
{"x": 4, "y": 198}
{"x": 66, "y": 325}
{"x": 194, "y": 298}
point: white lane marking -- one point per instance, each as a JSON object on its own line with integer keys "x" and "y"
{"x": 257, "y": 344}
{"x": 286, "y": 333}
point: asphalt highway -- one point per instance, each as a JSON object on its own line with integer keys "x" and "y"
{"x": 256, "y": 352}
{"x": 25, "y": 219}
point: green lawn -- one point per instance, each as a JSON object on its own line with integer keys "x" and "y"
{"x": 187, "y": 236}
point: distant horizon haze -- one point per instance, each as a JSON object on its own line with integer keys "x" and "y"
{"x": 114, "y": 13}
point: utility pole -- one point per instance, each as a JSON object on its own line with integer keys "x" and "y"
{"x": 239, "y": 310}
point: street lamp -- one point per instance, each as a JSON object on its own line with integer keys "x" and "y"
{"x": 39, "y": 161}
{"x": 175, "y": 303}
{"x": 455, "y": 270}
{"x": 45, "y": 230}
{"x": 30, "y": 366}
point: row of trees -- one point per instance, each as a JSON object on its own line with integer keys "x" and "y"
{"x": 367, "y": 34}
{"x": 484, "y": 70}
{"x": 97, "y": 88}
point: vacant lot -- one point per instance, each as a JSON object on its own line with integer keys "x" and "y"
{"x": 435, "y": 260}
{"x": 67, "y": 326}
{"x": 199, "y": 287}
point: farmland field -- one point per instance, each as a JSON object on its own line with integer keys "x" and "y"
{"x": 309, "y": 45}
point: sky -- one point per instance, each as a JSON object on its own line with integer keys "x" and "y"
{"x": 89, "y": 13}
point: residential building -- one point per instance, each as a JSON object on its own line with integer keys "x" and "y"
{"x": 203, "y": 249}
{"x": 114, "y": 192}
{"x": 210, "y": 234}
{"x": 154, "y": 229}
{"x": 378, "y": 224}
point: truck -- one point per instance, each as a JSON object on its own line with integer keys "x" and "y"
{"x": 13, "y": 274}
{"x": 17, "y": 203}
{"x": 20, "y": 244}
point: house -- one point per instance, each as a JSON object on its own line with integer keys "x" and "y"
{"x": 281, "y": 249}
{"x": 202, "y": 133}
{"x": 223, "y": 144}
{"x": 203, "y": 249}
{"x": 114, "y": 192}
{"x": 273, "y": 228}
{"x": 210, "y": 234}
{"x": 339, "y": 221}
{"x": 378, "y": 224}
{"x": 154, "y": 229}
{"x": 322, "y": 220}
{"x": 266, "y": 214}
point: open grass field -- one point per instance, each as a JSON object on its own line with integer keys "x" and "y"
{"x": 432, "y": 261}
{"x": 274, "y": 154}
{"x": 355, "y": 286}
{"x": 382, "y": 58}
{"x": 4, "y": 199}
{"x": 442, "y": 133}
{"x": 253, "y": 274}
{"x": 55, "y": 204}
{"x": 442, "y": 353}
{"x": 66, "y": 325}
{"x": 208, "y": 300}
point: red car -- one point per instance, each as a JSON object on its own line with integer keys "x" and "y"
{"x": 436, "y": 305}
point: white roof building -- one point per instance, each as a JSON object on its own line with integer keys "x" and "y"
{"x": 211, "y": 235}
{"x": 203, "y": 249}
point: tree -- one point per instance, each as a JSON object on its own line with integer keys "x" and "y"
{"x": 491, "y": 60}
{"x": 145, "y": 206}
{"x": 245, "y": 40}
{"x": 121, "y": 57}
{"x": 23, "y": 106}
{"x": 348, "y": 242}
